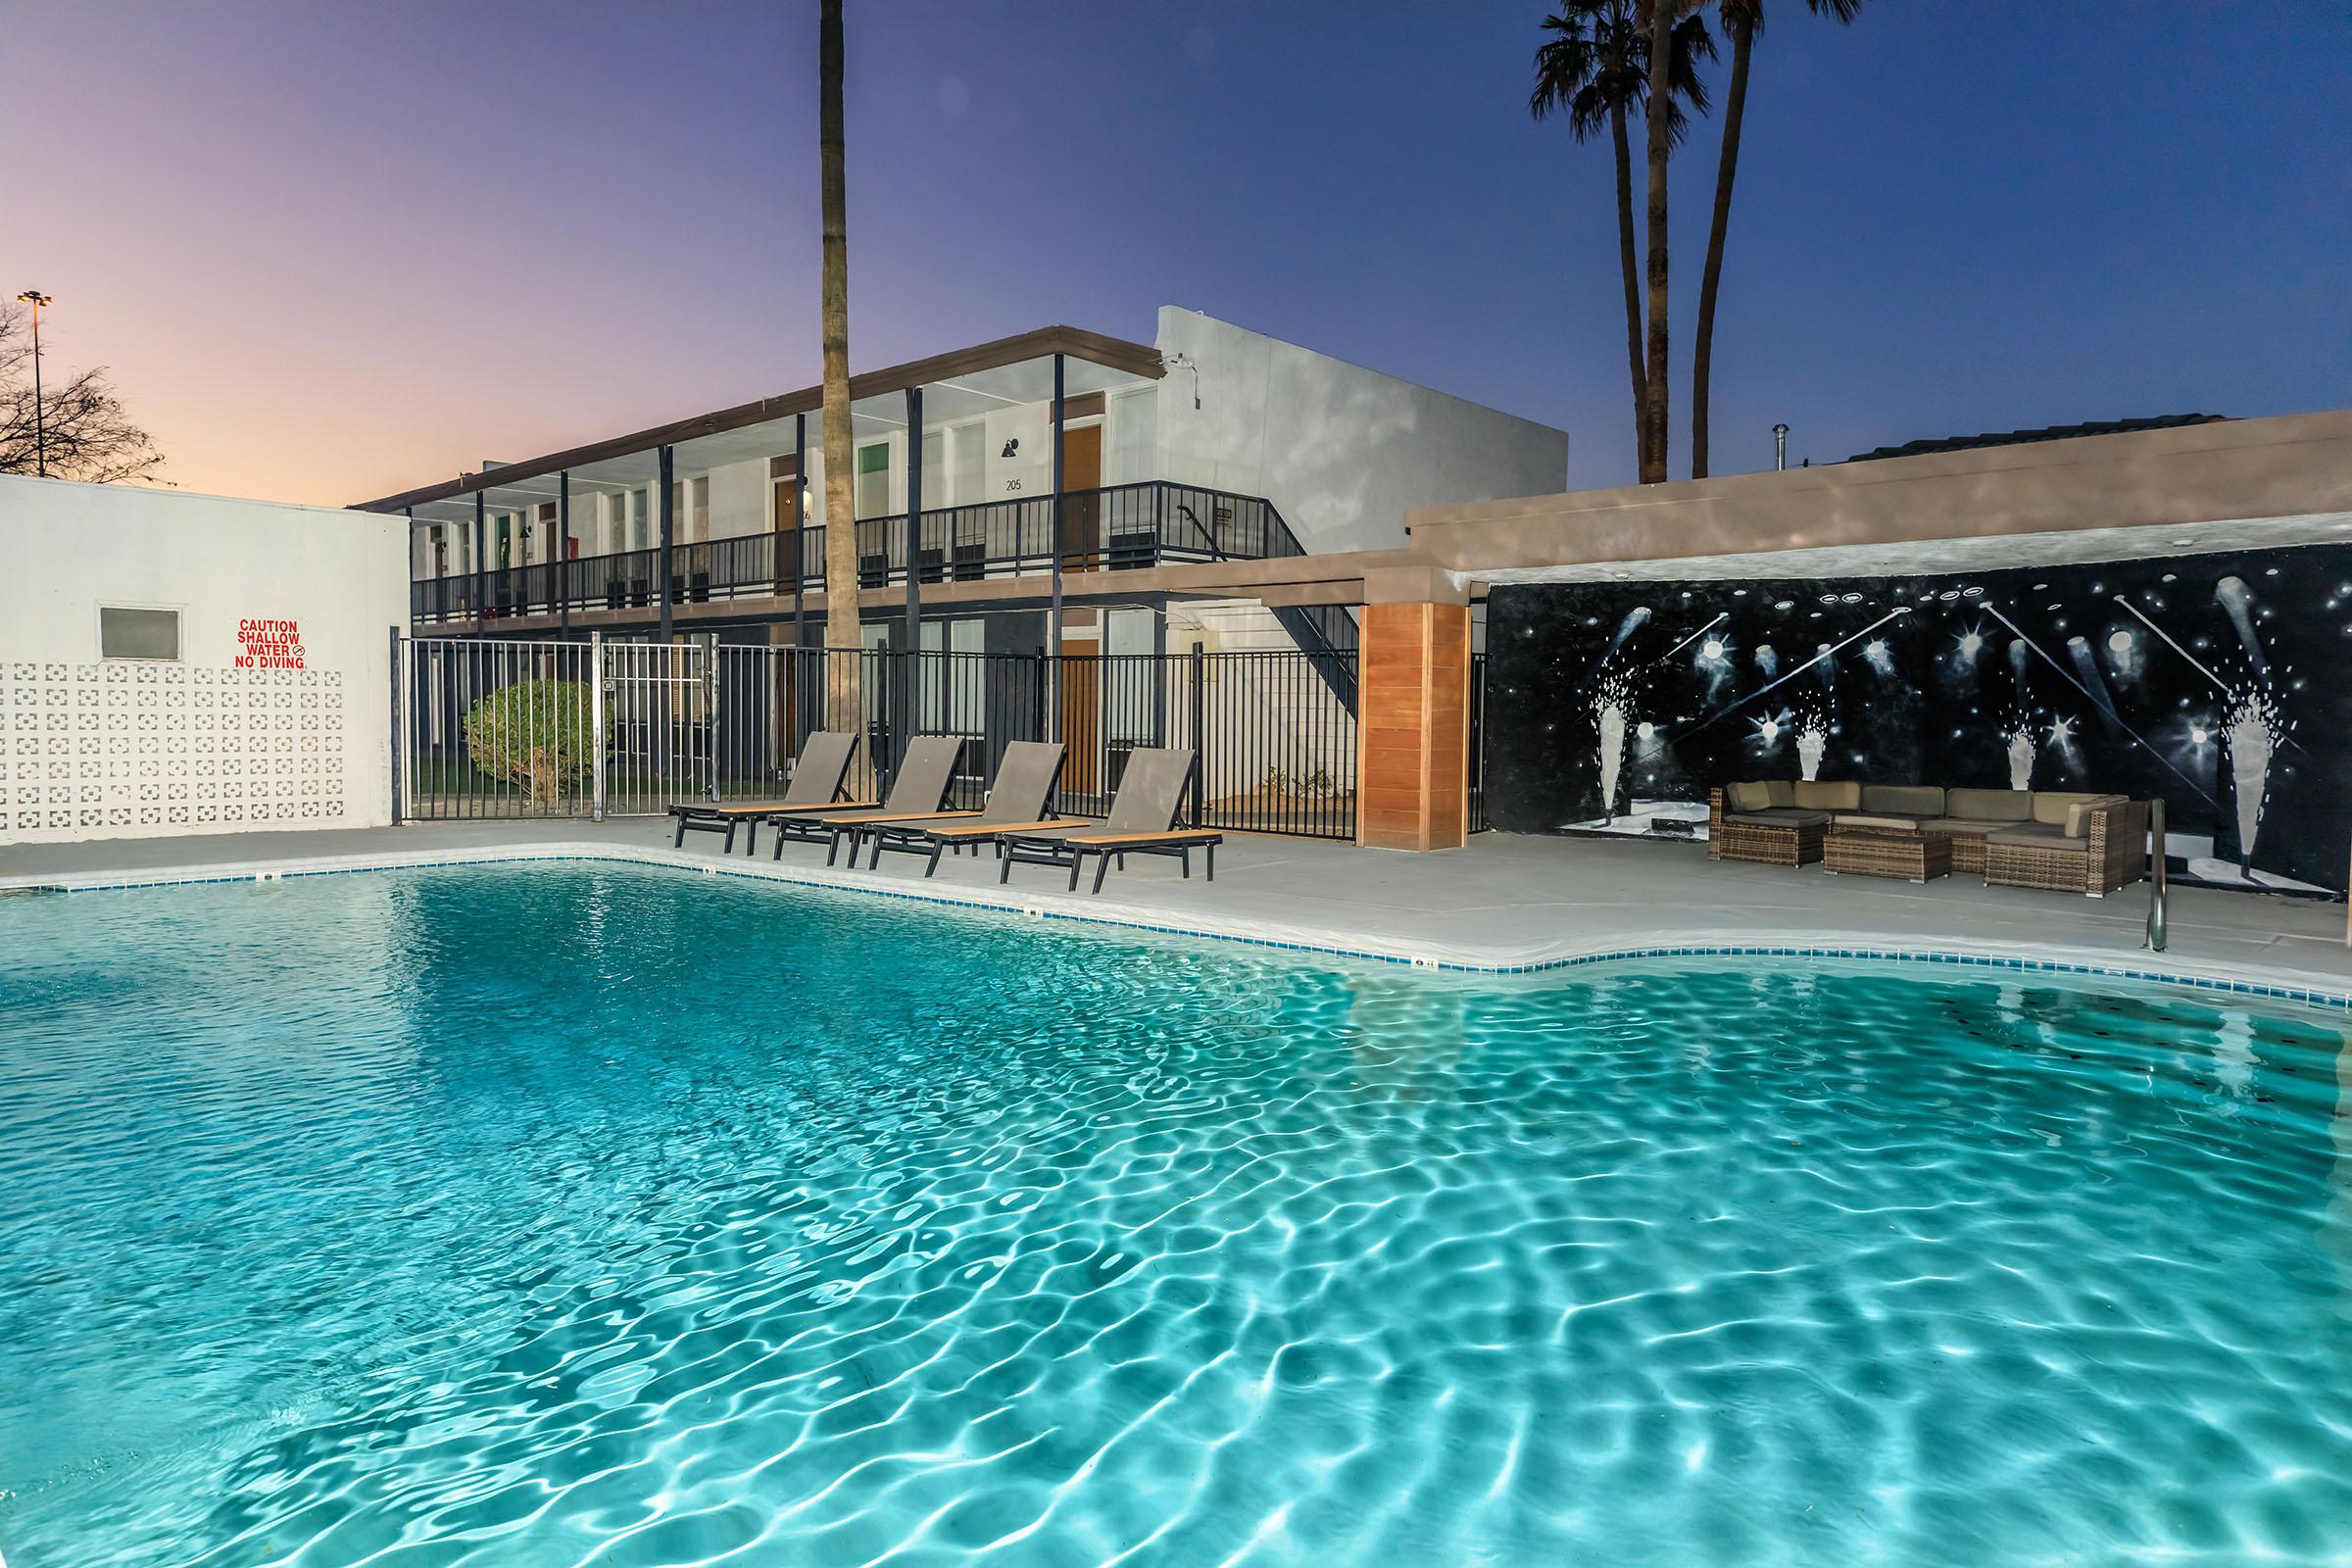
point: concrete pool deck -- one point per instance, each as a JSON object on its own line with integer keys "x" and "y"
{"x": 1507, "y": 901}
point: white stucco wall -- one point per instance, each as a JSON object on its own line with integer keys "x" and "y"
{"x": 1341, "y": 450}
{"x": 96, "y": 749}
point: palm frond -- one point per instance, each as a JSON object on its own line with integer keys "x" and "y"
{"x": 1595, "y": 62}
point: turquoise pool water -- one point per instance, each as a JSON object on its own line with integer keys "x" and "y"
{"x": 606, "y": 1217}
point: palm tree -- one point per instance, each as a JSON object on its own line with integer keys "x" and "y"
{"x": 841, "y": 529}
{"x": 1595, "y": 69}
{"x": 1674, "y": 28}
{"x": 1743, "y": 19}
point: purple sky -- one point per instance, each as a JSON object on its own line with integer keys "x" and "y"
{"x": 335, "y": 250}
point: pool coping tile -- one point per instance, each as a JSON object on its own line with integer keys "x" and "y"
{"x": 1057, "y": 906}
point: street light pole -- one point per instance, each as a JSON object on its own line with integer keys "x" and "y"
{"x": 41, "y": 435}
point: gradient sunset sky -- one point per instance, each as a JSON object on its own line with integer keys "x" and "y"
{"x": 334, "y": 251}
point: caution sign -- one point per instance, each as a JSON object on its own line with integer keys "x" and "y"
{"x": 270, "y": 645}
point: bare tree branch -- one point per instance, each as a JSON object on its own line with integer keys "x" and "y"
{"x": 87, "y": 431}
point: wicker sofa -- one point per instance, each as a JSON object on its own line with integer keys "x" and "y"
{"x": 2055, "y": 840}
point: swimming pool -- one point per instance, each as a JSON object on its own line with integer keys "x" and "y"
{"x": 573, "y": 1214}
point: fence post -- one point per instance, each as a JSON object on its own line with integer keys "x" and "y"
{"x": 396, "y": 778}
{"x": 714, "y": 726}
{"x": 597, "y": 690}
{"x": 1043, "y": 730}
{"x": 1199, "y": 706}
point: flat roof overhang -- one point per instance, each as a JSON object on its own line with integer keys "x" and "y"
{"x": 1118, "y": 355}
{"x": 2236, "y": 484}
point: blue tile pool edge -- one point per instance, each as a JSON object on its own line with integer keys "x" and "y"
{"x": 2206, "y": 980}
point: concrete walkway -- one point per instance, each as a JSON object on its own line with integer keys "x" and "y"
{"x": 1505, "y": 901}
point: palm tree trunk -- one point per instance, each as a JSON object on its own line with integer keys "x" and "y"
{"x": 1702, "y": 347}
{"x": 1653, "y": 424}
{"x": 841, "y": 530}
{"x": 1629, "y": 264}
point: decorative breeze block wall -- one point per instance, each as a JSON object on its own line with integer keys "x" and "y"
{"x": 121, "y": 747}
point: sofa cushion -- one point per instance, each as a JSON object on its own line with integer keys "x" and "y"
{"x": 2050, "y": 806}
{"x": 2078, "y": 816}
{"x": 1747, "y": 797}
{"x": 1989, "y": 806}
{"x": 1903, "y": 800}
{"x": 1818, "y": 795}
{"x": 1782, "y": 791}
{"x": 1777, "y": 816}
{"x": 1906, "y": 824}
{"x": 2040, "y": 836}
{"x": 1965, "y": 827}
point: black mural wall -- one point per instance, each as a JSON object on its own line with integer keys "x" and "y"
{"x": 2218, "y": 682}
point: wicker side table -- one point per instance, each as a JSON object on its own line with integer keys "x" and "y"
{"x": 1887, "y": 852}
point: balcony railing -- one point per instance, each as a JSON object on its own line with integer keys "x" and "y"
{"x": 1117, "y": 528}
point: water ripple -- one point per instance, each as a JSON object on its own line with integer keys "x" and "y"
{"x": 569, "y": 1216}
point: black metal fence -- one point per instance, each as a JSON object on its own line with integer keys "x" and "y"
{"x": 516, "y": 728}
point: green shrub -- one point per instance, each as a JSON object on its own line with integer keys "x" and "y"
{"x": 535, "y": 733}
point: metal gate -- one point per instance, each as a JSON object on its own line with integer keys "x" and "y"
{"x": 512, "y": 728}
{"x": 660, "y": 716}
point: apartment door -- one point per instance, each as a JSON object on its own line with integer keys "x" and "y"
{"x": 1081, "y": 470}
{"x": 1081, "y": 728}
{"x": 784, "y": 480}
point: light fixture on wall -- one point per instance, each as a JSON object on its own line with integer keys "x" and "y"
{"x": 1011, "y": 447}
{"x": 1181, "y": 361}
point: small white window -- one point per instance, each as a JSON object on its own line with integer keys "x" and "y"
{"x": 972, "y": 453}
{"x": 935, "y": 470}
{"x": 1134, "y": 436}
{"x": 125, "y": 632}
{"x": 872, "y": 496}
{"x": 1130, "y": 631}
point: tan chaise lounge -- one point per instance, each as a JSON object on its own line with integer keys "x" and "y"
{"x": 816, "y": 780}
{"x": 2054, "y": 840}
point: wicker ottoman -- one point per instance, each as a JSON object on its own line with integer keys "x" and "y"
{"x": 1779, "y": 844}
{"x": 1887, "y": 852}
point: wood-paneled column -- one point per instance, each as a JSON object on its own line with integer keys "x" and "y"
{"x": 1413, "y": 727}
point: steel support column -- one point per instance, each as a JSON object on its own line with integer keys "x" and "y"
{"x": 669, "y": 523}
{"x": 914, "y": 518}
{"x": 563, "y": 560}
{"x": 800, "y": 520}
{"x": 482, "y": 534}
{"x": 1054, "y": 614}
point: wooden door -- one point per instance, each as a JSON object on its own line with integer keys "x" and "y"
{"x": 1081, "y": 470}
{"x": 784, "y": 480}
{"x": 1081, "y": 729}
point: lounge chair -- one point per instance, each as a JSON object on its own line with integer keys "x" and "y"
{"x": 1141, "y": 822}
{"x": 1026, "y": 775}
{"x": 823, "y": 762}
{"x": 925, "y": 774}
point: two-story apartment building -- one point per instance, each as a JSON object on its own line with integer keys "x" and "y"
{"x": 988, "y": 482}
